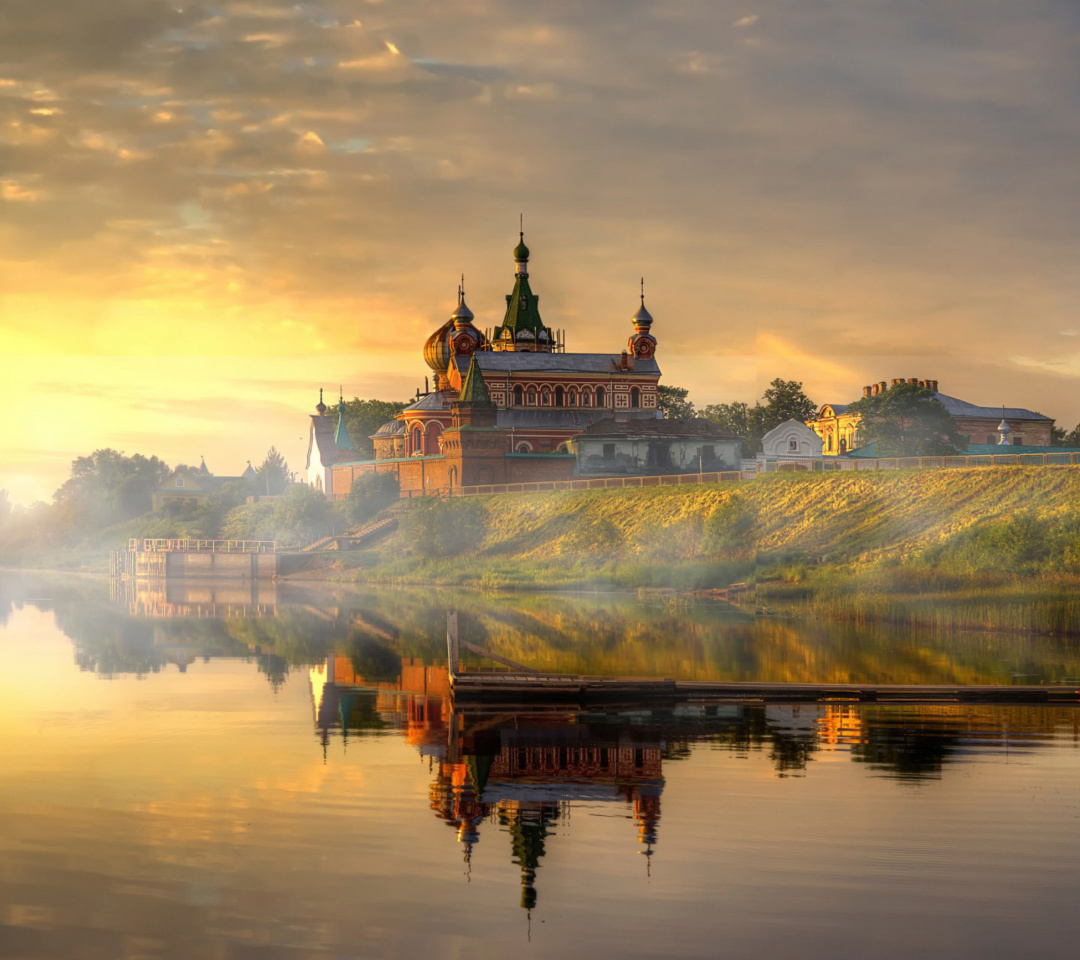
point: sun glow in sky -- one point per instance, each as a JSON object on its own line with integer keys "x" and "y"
{"x": 207, "y": 211}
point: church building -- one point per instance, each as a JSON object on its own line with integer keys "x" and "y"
{"x": 506, "y": 401}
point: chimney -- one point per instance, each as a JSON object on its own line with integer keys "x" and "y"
{"x": 897, "y": 380}
{"x": 865, "y": 392}
{"x": 876, "y": 389}
{"x": 933, "y": 386}
{"x": 913, "y": 380}
{"x": 881, "y": 387}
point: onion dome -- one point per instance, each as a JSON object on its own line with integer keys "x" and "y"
{"x": 437, "y": 351}
{"x": 642, "y": 343}
{"x": 521, "y": 252}
{"x": 320, "y": 407}
{"x": 462, "y": 315}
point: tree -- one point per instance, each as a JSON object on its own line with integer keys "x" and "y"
{"x": 905, "y": 420}
{"x": 673, "y": 403}
{"x": 1061, "y": 438}
{"x": 273, "y": 475}
{"x": 784, "y": 400}
{"x": 364, "y": 417}
{"x": 370, "y": 494}
{"x": 106, "y": 487}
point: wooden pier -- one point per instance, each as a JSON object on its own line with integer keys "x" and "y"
{"x": 527, "y": 689}
{"x": 520, "y": 686}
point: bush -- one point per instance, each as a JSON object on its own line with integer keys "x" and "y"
{"x": 728, "y": 532}
{"x": 370, "y": 494}
{"x": 444, "y": 528}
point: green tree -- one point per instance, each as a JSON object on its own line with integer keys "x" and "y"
{"x": 673, "y": 403}
{"x": 105, "y": 488}
{"x": 1062, "y": 438}
{"x": 303, "y": 514}
{"x": 364, "y": 417}
{"x": 273, "y": 475}
{"x": 905, "y": 420}
{"x": 444, "y": 528}
{"x": 784, "y": 400}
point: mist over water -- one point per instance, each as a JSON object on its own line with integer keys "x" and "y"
{"x": 266, "y": 771}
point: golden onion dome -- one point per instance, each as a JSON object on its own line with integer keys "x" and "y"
{"x": 437, "y": 348}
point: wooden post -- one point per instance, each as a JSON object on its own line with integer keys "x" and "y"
{"x": 451, "y": 642}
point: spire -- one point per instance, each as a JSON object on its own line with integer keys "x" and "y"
{"x": 203, "y": 471}
{"x": 522, "y": 328}
{"x": 341, "y": 438}
{"x": 474, "y": 390}
{"x": 521, "y": 252}
{"x": 320, "y": 406}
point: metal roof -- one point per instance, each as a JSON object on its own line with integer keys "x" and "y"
{"x": 961, "y": 408}
{"x": 696, "y": 427}
{"x": 499, "y": 361}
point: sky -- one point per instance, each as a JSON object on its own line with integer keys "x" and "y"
{"x": 208, "y": 211}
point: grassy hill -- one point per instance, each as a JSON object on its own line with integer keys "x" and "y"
{"x": 1005, "y": 542}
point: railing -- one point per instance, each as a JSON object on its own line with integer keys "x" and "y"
{"x": 957, "y": 461}
{"x": 202, "y": 546}
{"x": 600, "y": 483}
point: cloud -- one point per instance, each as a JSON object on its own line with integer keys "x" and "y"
{"x": 747, "y": 21}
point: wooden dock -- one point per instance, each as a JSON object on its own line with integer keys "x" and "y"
{"x": 547, "y": 688}
{"x": 521, "y": 686}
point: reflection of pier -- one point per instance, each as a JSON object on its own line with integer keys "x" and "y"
{"x": 225, "y": 600}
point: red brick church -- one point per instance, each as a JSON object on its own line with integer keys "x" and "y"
{"x": 504, "y": 404}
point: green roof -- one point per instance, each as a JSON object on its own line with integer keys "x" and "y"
{"x": 523, "y": 313}
{"x": 474, "y": 390}
{"x": 341, "y": 438}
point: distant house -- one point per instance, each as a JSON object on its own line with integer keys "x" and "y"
{"x": 977, "y": 425}
{"x": 642, "y": 447}
{"x": 791, "y": 440}
{"x": 192, "y": 485}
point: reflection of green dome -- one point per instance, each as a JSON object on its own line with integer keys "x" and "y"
{"x": 521, "y": 252}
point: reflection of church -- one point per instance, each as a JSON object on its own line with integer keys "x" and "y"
{"x": 523, "y": 774}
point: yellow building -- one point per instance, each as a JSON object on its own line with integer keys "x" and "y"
{"x": 838, "y": 429}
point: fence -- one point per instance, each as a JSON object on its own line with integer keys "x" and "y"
{"x": 958, "y": 461}
{"x": 202, "y": 546}
{"x": 600, "y": 483}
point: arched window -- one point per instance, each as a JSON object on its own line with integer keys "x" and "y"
{"x": 573, "y": 397}
{"x": 519, "y": 396}
{"x": 453, "y": 477}
{"x": 586, "y": 398}
{"x": 830, "y": 443}
{"x": 417, "y": 441}
{"x": 532, "y": 396}
{"x": 545, "y": 397}
{"x": 560, "y": 397}
{"x": 524, "y": 448}
{"x": 635, "y": 397}
{"x": 434, "y": 437}
{"x": 600, "y": 396}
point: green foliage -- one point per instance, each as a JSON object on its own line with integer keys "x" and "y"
{"x": 728, "y": 532}
{"x": 434, "y": 527}
{"x": 784, "y": 400}
{"x": 905, "y": 420}
{"x": 105, "y": 488}
{"x": 370, "y": 494}
{"x": 673, "y": 403}
{"x": 364, "y": 417}
{"x": 1063, "y": 438}
{"x": 299, "y": 516}
{"x": 273, "y": 475}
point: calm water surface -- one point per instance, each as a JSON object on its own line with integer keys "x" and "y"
{"x": 281, "y": 775}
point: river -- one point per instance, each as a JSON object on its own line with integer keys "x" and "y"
{"x": 270, "y": 773}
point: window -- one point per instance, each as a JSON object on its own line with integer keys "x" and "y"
{"x": 609, "y": 451}
{"x": 545, "y": 397}
{"x": 573, "y": 397}
{"x": 793, "y": 446}
{"x": 830, "y": 443}
{"x": 519, "y": 396}
{"x": 532, "y": 396}
{"x": 560, "y": 397}
{"x": 600, "y": 396}
{"x": 586, "y": 398}
{"x": 1017, "y": 441}
{"x": 635, "y": 397}
{"x": 179, "y": 481}
{"x": 524, "y": 448}
{"x": 707, "y": 453}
